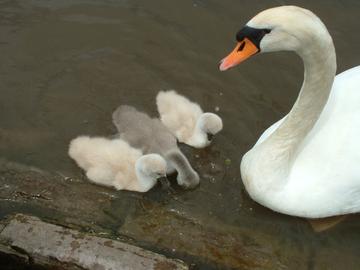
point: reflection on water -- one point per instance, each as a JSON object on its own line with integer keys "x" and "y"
{"x": 65, "y": 65}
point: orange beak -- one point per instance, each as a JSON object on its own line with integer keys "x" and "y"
{"x": 242, "y": 51}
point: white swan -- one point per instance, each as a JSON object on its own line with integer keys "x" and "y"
{"x": 114, "y": 163}
{"x": 186, "y": 120}
{"x": 308, "y": 163}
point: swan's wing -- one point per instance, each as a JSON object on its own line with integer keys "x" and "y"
{"x": 128, "y": 119}
{"x": 133, "y": 126}
{"x": 163, "y": 140}
{"x": 328, "y": 162}
{"x": 141, "y": 131}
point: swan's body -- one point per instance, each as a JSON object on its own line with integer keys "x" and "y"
{"x": 324, "y": 179}
{"x": 151, "y": 136}
{"x": 308, "y": 163}
{"x": 186, "y": 120}
{"x": 114, "y": 163}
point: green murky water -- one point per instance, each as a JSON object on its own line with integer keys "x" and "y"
{"x": 65, "y": 65}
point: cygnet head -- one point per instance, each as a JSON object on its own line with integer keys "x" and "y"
{"x": 187, "y": 176}
{"x": 285, "y": 28}
{"x": 151, "y": 166}
{"x": 210, "y": 124}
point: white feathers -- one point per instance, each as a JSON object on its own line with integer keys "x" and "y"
{"x": 186, "y": 120}
{"x": 121, "y": 163}
{"x": 307, "y": 164}
{"x": 112, "y": 162}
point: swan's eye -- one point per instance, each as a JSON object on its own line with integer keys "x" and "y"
{"x": 241, "y": 47}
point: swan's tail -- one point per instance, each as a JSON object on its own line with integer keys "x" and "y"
{"x": 121, "y": 110}
{"x": 166, "y": 100}
{"x": 78, "y": 150}
{"x": 123, "y": 115}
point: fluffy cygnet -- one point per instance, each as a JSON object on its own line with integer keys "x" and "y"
{"x": 186, "y": 120}
{"x": 114, "y": 163}
{"x": 151, "y": 136}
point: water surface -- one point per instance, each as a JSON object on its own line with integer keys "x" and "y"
{"x": 66, "y": 65}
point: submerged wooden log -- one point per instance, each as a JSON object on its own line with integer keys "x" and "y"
{"x": 49, "y": 245}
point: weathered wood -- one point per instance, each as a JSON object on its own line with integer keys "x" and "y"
{"x": 50, "y": 245}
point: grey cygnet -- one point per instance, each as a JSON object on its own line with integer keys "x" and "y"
{"x": 151, "y": 136}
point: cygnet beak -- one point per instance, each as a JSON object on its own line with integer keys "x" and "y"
{"x": 210, "y": 136}
{"x": 165, "y": 184}
{"x": 191, "y": 184}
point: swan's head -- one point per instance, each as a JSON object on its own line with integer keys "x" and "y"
{"x": 152, "y": 166}
{"x": 285, "y": 28}
{"x": 210, "y": 124}
{"x": 187, "y": 177}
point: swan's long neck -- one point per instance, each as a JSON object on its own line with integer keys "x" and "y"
{"x": 281, "y": 148}
{"x": 180, "y": 163}
{"x": 199, "y": 137}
